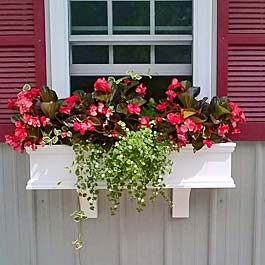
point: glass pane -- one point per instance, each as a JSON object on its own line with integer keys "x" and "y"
{"x": 90, "y": 54}
{"x": 131, "y": 17}
{"x": 173, "y": 17}
{"x": 156, "y": 86}
{"x": 177, "y": 54}
{"x": 89, "y": 17}
{"x": 131, "y": 54}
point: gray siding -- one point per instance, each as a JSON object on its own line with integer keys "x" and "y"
{"x": 225, "y": 226}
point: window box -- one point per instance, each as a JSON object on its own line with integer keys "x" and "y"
{"x": 211, "y": 168}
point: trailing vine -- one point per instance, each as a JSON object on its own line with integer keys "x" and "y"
{"x": 138, "y": 161}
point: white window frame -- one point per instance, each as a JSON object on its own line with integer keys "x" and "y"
{"x": 58, "y": 54}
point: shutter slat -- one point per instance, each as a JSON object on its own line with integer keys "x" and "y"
{"x": 241, "y": 60}
{"x": 17, "y": 18}
{"x": 22, "y": 42}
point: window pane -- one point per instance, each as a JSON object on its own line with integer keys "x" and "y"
{"x": 90, "y": 54}
{"x": 131, "y": 54}
{"x": 89, "y": 17}
{"x": 131, "y": 17}
{"x": 173, "y": 17}
{"x": 156, "y": 86}
{"x": 177, "y": 54}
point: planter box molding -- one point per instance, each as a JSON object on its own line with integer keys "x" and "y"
{"x": 207, "y": 168}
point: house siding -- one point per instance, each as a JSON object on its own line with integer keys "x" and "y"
{"x": 224, "y": 228}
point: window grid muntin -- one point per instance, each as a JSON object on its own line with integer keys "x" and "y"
{"x": 111, "y": 39}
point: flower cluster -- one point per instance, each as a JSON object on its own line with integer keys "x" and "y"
{"x": 97, "y": 117}
{"x": 118, "y": 135}
{"x": 184, "y": 119}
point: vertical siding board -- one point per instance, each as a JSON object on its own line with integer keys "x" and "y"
{"x": 101, "y": 236}
{"x": 11, "y": 205}
{"x": 202, "y": 205}
{"x": 3, "y": 234}
{"x": 24, "y": 215}
{"x": 261, "y": 244}
{"x": 142, "y": 233}
{"x": 187, "y": 239}
{"x": 225, "y": 229}
{"x": 258, "y": 236}
{"x": 43, "y": 233}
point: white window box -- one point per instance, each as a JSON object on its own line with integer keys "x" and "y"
{"x": 207, "y": 168}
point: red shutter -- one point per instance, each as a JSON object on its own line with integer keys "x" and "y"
{"x": 241, "y": 61}
{"x": 22, "y": 51}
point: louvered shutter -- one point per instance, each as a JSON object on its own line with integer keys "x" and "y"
{"x": 22, "y": 51}
{"x": 241, "y": 61}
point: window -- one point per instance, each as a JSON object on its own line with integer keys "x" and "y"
{"x": 108, "y": 37}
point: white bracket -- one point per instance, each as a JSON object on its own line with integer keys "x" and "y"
{"x": 85, "y": 207}
{"x": 181, "y": 203}
{"x": 180, "y": 198}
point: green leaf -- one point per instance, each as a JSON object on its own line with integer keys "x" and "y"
{"x": 136, "y": 100}
{"x": 79, "y": 92}
{"x": 188, "y": 112}
{"x": 16, "y": 117}
{"x": 98, "y": 95}
{"x": 50, "y": 109}
{"x": 215, "y": 121}
{"x": 194, "y": 91}
{"x": 187, "y": 100}
{"x": 219, "y": 111}
{"x": 187, "y": 84}
{"x": 57, "y": 132}
{"x": 122, "y": 108}
{"x": 26, "y": 87}
{"x": 197, "y": 144}
{"x": 48, "y": 95}
{"x": 55, "y": 139}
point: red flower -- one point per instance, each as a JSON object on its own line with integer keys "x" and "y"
{"x": 11, "y": 104}
{"x": 31, "y": 120}
{"x": 191, "y": 126}
{"x": 102, "y": 85}
{"x": 114, "y": 134}
{"x": 159, "y": 139}
{"x": 21, "y": 133}
{"x": 14, "y": 141}
{"x": 69, "y": 104}
{"x": 30, "y": 144}
{"x": 83, "y": 126}
{"x": 44, "y": 120}
{"x": 158, "y": 119}
{"x": 182, "y": 140}
{"x": 127, "y": 81}
{"x": 141, "y": 90}
{"x": 92, "y": 110}
{"x": 236, "y": 131}
{"x": 222, "y": 130}
{"x": 171, "y": 95}
{"x": 208, "y": 143}
{"x": 174, "y": 84}
{"x": 70, "y": 101}
{"x": 65, "y": 110}
{"x": 133, "y": 109}
{"x": 64, "y": 134}
{"x": 144, "y": 122}
{"x": 161, "y": 106}
{"x": 173, "y": 119}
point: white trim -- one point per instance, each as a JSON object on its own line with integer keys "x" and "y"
{"x": 59, "y": 47}
{"x": 202, "y": 45}
{"x": 120, "y": 69}
{"x": 131, "y": 38}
